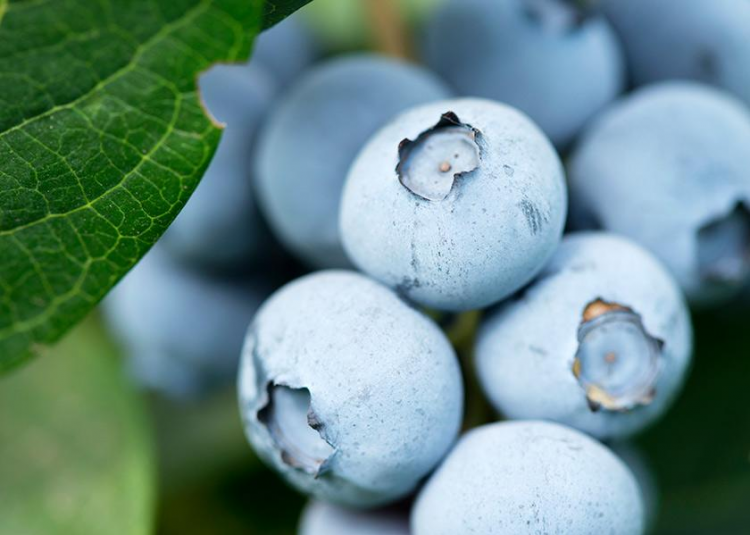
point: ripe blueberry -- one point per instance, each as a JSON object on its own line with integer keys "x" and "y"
{"x": 349, "y": 393}
{"x": 182, "y": 330}
{"x": 285, "y": 50}
{"x": 669, "y": 167}
{"x": 220, "y": 226}
{"x": 705, "y": 41}
{"x": 555, "y": 61}
{"x": 313, "y": 136}
{"x": 526, "y": 478}
{"x": 456, "y": 204}
{"x": 601, "y": 341}
{"x": 639, "y": 465}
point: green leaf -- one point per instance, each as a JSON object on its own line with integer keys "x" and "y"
{"x": 75, "y": 448}
{"x": 278, "y": 10}
{"x": 102, "y": 141}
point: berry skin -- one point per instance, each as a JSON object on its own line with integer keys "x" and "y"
{"x": 669, "y": 167}
{"x": 321, "y": 518}
{"x": 313, "y": 136}
{"x": 630, "y": 454}
{"x": 456, "y": 204}
{"x": 285, "y": 50}
{"x": 519, "y": 478}
{"x": 705, "y": 41}
{"x": 220, "y": 227}
{"x": 601, "y": 341}
{"x": 181, "y": 330}
{"x": 349, "y": 393}
{"x": 550, "y": 59}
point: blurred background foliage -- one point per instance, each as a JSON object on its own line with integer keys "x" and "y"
{"x": 700, "y": 452}
{"x": 82, "y": 452}
{"x": 76, "y": 448}
{"x": 349, "y": 25}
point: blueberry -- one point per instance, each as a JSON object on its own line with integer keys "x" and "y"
{"x": 456, "y": 204}
{"x": 527, "y": 478}
{"x": 700, "y": 40}
{"x": 220, "y": 226}
{"x": 558, "y": 62}
{"x": 285, "y": 50}
{"x": 182, "y": 331}
{"x": 636, "y": 461}
{"x": 601, "y": 341}
{"x": 321, "y": 518}
{"x": 348, "y": 392}
{"x": 313, "y": 136}
{"x": 669, "y": 167}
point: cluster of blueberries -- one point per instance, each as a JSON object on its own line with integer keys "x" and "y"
{"x": 412, "y": 189}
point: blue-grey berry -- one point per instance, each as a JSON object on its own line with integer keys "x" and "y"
{"x": 701, "y": 40}
{"x": 181, "y": 330}
{"x": 313, "y": 136}
{"x": 456, "y": 203}
{"x": 320, "y": 518}
{"x": 285, "y": 50}
{"x": 527, "y": 478}
{"x": 669, "y": 167}
{"x": 349, "y": 393}
{"x": 601, "y": 341}
{"x": 639, "y": 465}
{"x": 221, "y": 227}
{"x": 557, "y": 62}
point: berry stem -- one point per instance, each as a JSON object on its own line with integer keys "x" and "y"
{"x": 388, "y": 28}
